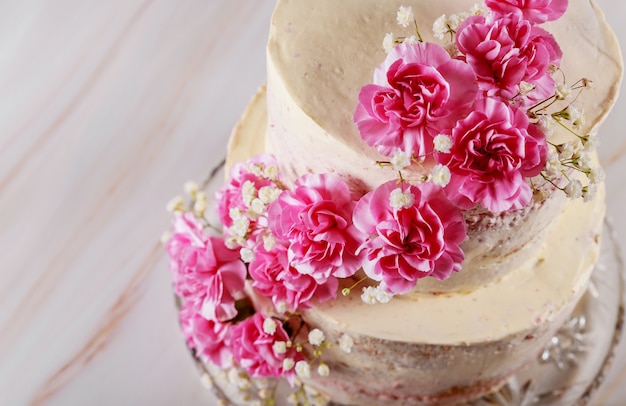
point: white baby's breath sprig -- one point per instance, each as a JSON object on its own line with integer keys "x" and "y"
{"x": 288, "y": 363}
{"x": 375, "y": 294}
{"x": 589, "y": 192}
{"x": 323, "y": 370}
{"x": 346, "y": 343}
{"x": 400, "y": 160}
{"x": 191, "y": 188}
{"x": 247, "y": 255}
{"x": 479, "y": 9}
{"x": 269, "y": 326}
{"x": 440, "y": 175}
{"x": 303, "y": 369}
{"x": 405, "y": 16}
{"x": 443, "y": 143}
{"x": 389, "y": 42}
{"x": 399, "y": 199}
{"x": 176, "y": 204}
{"x": 596, "y": 175}
{"x": 200, "y": 205}
{"x": 316, "y": 337}
{"x": 563, "y": 91}
{"x": 574, "y": 189}
{"x": 547, "y": 124}
{"x": 280, "y": 347}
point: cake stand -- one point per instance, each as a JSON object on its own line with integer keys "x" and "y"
{"x": 569, "y": 370}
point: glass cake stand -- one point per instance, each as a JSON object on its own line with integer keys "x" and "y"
{"x": 569, "y": 370}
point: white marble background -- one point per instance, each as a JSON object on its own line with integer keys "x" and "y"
{"x": 106, "y": 108}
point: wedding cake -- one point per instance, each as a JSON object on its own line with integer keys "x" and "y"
{"x": 414, "y": 203}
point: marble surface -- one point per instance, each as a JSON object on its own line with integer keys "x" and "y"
{"x": 106, "y": 108}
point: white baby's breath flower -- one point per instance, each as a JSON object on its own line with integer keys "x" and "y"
{"x": 247, "y": 255}
{"x": 323, "y": 370}
{"x": 479, "y": 9}
{"x": 316, "y": 337}
{"x": 237, "y": 379}
{"x": 547, "y": 124}
{"x": 282, "y": 307}
{"x": 176, "y": 204}
{"x": 455, "y": 20}
{"x": 199, "y": 207}
{"x": 232, "y": 242}
{"x": 382, "y": 296}
{"x": 399, "y": 199}
{"x": 563, "y": 91}
{"x": 269, "y": 242}
{"x": 566, "y": 151}
{"x": 443, "y": 143}
{"x": 400, "y": 160}
{"x": 584, "y": 161}
{"x": 303, "y": 369}
{"x": 280, "y": 347}
{"x": 369, "y": 295}
{"x": 248, "y": 192}
{"x": 346, "y": 343}
{"x": 440, "y": 175}
{"x": 573, "y": 112}
{"x": 255, "y": 169}
{"x": 269, "y": 326}
{"x": 271, "y": 172}
{"x": 235, "y": 214}
{"x": 240, "y": 227}
{"x": 589, "y": 192}
{"x": 412, "y": 40}
{"x": 288, "y": 363}
{"x": 596, "y": 175}
{"x": 269, "y": 194}
{"x": 257, "y": 206}
{"x": 191, "y": 188}
{"x": 405, "y": 16}
{"x": 440, "y": 27}
{"x": 574, "y": 189}
{"x": 388, "y": 42}
{"x": 591, "y": 141}
{"x": 553, "y": 163}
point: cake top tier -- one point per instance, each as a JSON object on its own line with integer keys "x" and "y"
{"x": 325, "y": 51}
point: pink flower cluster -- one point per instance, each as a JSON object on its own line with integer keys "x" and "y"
{"x": 256, "y": 351}
{"x": 418, "y": 91}
{"x": 417, "y": 237}
{"x": 478, "y": 99}
{"x": 206, "y": 273}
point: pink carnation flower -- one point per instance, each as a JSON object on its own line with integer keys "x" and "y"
{"x": 275, "y": 278}
{"x": 209, "y": 338}
{"x": 419, "y": 238}
{"x": 316, "y": 220}
{"x": 495, "y": 149}
{"x": 507, "y": 50}
{"x": 206, "y": 273}
{"x": 418, "y": 91}
{"x": 253, "y": 349}
{"x": 536, "y": 11}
